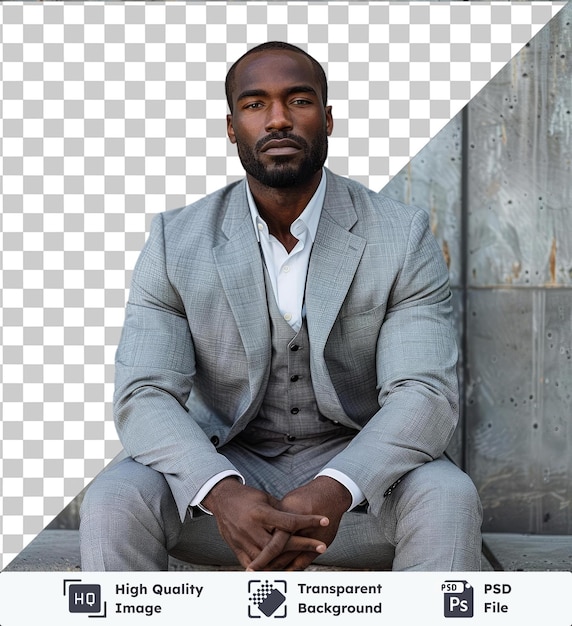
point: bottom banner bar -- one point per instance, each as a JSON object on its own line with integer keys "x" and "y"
{"x": 316, "y": 598}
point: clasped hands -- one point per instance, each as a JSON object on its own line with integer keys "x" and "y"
{"x": 270, "y": 534}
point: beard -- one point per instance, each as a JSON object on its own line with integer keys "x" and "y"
{"x": 282, "y": 173}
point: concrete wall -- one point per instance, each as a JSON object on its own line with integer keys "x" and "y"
{"x": 498, "y": 184}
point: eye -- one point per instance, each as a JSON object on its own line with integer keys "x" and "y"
{"x": 253, "y": 105}
{"x": 301, "y": 101}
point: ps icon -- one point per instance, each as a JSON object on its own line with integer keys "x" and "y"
{"x": 458, "y": 597}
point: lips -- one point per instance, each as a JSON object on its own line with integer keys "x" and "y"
{"x": 281, "y": 146}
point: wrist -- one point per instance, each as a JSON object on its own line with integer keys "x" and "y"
{"x": 221, "y": 492}
{"x": 334, "y": 492}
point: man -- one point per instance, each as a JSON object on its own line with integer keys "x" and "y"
{"x": 285, "y": 380}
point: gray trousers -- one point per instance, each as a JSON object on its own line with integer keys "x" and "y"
{"x": 430, "y": 522}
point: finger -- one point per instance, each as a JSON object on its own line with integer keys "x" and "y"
{"x": 295, "y": 549}
{"x": 270, "y": 551}
{"x": 247, "y": 552}
{"x": 283, "y": 561}
{"x": 292, "y": 561}
{"x": 242, "y": 557}
{"x": 294, "y": 522}
{"x": 298, "y": 543}
{"x": 246, "y": 545}
{"x": 283, "y": 548}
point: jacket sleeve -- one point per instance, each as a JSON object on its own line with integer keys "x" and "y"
{"x": 154, "y": 372}
{"x": 416, "y": 375}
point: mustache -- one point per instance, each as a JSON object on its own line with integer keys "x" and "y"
{"x": 281, "y": 135}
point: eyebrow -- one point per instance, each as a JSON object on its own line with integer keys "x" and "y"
{"x": 253, "y": 93}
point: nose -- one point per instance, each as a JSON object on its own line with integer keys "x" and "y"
{"x": 278, "y": 117}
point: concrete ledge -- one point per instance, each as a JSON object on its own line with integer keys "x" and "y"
{"x": 58, "y": 551}
{"x": 529, "y": 553}
{"x": 50, "y": 551}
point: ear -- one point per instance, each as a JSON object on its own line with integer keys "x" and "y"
{"x": 329, "y": 120}
{"x": 230, "y": 129}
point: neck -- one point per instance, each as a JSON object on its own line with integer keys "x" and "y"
{"x": 280, "y": 207}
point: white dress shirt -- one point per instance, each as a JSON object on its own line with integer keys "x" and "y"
{"x": 288, "y": 273}
{"x": 288, "y": 270}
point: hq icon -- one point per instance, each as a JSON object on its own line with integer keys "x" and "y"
{"x": 84, "y": 598}
{"x": 458, "y": 598}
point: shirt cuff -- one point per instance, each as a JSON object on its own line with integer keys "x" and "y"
{"x": 204, "y": 490}
{"x": 357, "y": 494}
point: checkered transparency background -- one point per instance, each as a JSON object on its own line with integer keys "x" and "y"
{"x": 112, "y": 113}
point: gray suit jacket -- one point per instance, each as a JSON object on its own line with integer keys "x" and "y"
{"x": 193, "y": 360}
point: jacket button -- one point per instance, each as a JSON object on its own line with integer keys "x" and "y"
{"x": 215, "y": 440}
{"x": 295, "y": 411}
{"x": 294, "y": 378}
{"x": 290, "y": 438}
{"x": 294, "y": 348}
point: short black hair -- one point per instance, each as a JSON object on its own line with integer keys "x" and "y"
{"x": 276, "y": 45}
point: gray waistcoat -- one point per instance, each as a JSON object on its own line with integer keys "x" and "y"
{"x": 289, "y": 414}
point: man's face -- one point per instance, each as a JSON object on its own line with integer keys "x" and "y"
{"x": 279, "y": 122}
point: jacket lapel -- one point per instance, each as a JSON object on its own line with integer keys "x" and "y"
{"x": 336, "y": 254}
{"x": 239, "y": 264}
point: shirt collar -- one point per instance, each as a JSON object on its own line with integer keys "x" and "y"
{"x": 308, "y": 219}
